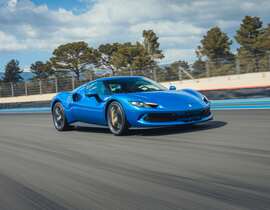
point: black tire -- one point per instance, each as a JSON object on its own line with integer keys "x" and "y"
{"x": 116, "y": 119}
{"x": 59, "y": 117}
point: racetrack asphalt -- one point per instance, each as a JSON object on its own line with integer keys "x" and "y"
{"x": 221, "y": 165}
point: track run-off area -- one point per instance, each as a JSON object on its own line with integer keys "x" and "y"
{"x": 223, "y": 164}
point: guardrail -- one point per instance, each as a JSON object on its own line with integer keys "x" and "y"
{"x": 258, "y": 83}
{"x": 179, "y": 72}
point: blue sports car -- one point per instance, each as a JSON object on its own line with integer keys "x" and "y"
{"x": 124, "y": 102}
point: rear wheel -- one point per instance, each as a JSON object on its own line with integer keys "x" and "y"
{"x": 59, "y": 117}
{"x": 117, "y": 119}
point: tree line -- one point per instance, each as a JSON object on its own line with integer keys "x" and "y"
{"x": 214, "y": 56}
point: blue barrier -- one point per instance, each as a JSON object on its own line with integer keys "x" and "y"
{"x": 228, "y": 104}
{"x": 26, "y": 110}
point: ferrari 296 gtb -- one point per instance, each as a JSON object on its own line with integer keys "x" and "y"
{"x": 124, "y": 102}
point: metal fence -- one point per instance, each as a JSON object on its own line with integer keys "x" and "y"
{"x": 217, "y": 67}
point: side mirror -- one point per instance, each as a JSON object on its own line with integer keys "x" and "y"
{"x": 76, "y": 97}
{"x": 91, "y": 94}
{"x": 172, "y": 87}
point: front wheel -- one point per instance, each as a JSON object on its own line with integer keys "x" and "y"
{"x": 59, "y": 118}
{"x": 117, "y": 119}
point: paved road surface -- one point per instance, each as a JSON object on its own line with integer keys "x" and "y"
{"x": 223, "y": 165}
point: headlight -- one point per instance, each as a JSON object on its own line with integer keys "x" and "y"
{"x": 143, "y": 104}
{"x": 205, "y": 99}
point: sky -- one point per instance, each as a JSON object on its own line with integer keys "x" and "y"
{"x": 31, "y": 29}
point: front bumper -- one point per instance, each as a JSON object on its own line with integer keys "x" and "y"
{"x": 154, "y": 118}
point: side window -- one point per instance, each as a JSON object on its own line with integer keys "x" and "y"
{"x": 91, "y": 86}
{"x": 98, "y": 87}
{"x": 102, "y": 90}
{"x": 116, "y": 88}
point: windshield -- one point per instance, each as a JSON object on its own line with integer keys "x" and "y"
{"x": 132, "y": 85}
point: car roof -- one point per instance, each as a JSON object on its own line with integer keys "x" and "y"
{"x": 117, "y": 77}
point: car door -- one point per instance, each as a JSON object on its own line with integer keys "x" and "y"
{"x": 86, "y": 108}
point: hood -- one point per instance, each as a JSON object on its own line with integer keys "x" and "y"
{"x": 170, "y": 99}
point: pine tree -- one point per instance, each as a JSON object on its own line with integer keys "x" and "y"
{"x": 129, "y": 57}
{"x": 106, "y": 51}
{"x": 151, "y": 44}
{"x": 247, "y": 36}
{"x": 215, "y": 45}
{"x": 199, "y": 68}
{"x": 263, "y": 42}
{"x": 264, "y": 45}
{"x": 12, "y": 71}
{"x": 41, "y": 70}
{"x": 74, "y": 57}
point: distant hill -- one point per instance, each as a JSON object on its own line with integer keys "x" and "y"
{"x": 25, "y": 75}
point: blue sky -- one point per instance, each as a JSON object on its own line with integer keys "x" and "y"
{"x": 77, "y": 6}
{"x": 31, "y": 29}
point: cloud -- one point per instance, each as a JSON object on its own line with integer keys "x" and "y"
{"x": 12, "y": 4}
{"x": 179, "y": 24}
{"x": 227, "y": 24}
{"x": 9, "y": 43}
{"x": 175, "y": 54}
{"x": 132, "y": 12}
{"x": 168, "y": 28}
